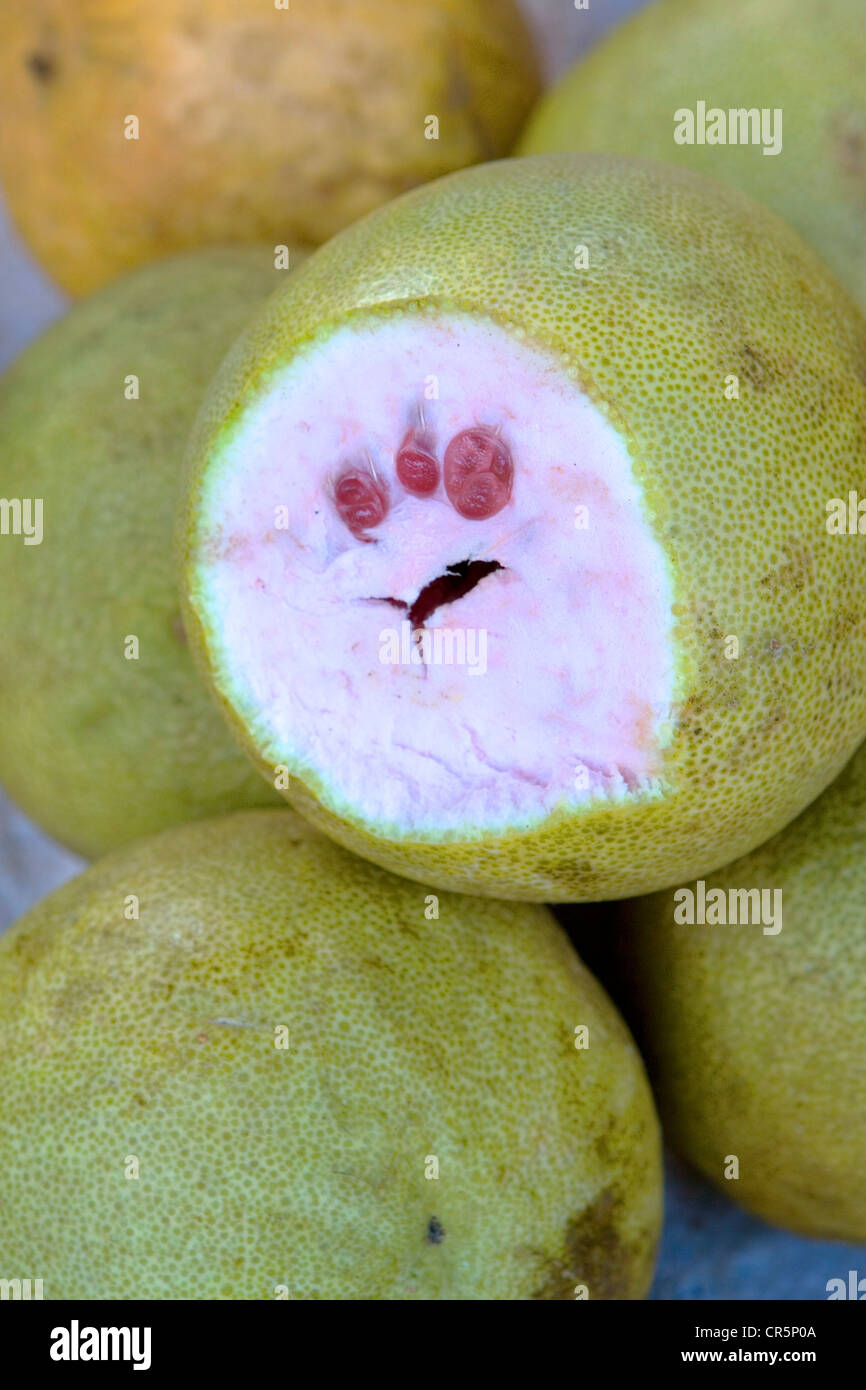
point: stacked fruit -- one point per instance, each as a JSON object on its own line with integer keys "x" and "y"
{"x": 576, "y": 422}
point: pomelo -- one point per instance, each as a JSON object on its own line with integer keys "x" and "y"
{"x": 751, "y": 57}
{"x": 132, "y": 130}
{"x": 507, "y": 538}
{"x": 749, "y": 991}
{"x": 292, "y": 1075}
{"x": 106, "y": 731}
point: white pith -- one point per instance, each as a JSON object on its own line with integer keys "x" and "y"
{"x": 577, "y": 690}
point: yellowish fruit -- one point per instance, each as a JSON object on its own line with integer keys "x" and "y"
{"x": 106, "y": 732}
{"x": 293, "y": 1071}
{"x": 754, "y": 1030}
{"x": 651, "y": 649}
{"x": 801, "y": 64}
{"x": 129, "y": 130}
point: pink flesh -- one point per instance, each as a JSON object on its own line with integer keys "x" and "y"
{"x": 570, "y": 697}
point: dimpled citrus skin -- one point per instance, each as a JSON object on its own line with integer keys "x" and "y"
{"x": 255, "y": 122}
{"x": 756, "y": 1041}
{"x": 807, "y": 60}
{"x": 412, "y": 1043}
{"x": 688, "y": 284}
{"x": 97, "y": 748}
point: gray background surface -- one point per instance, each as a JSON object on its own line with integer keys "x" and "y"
{"x": 711, "y": 1250}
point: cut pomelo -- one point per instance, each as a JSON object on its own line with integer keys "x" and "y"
{"x": 474, "y": 516}
{"x": 564, "y": 690}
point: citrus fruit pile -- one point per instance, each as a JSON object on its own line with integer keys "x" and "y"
{"x": 439, "y": 503}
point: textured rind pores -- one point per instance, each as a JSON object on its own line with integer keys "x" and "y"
{"x": 321, "y": 1089}
{"x": 97, "y": 747}
{"x": 754, "y": 1040}
{"x": 804, "y": 61}
{"x": 688, "y": 288}
{"x": 255, "y": 121}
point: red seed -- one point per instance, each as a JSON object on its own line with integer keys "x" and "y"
{"x": 361, "y": 501}
{"x": 416, "y": 465}
{"x": 481, "y": 496}
{"x": 479, "y": 473}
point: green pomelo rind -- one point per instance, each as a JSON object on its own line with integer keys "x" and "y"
{"x": 755, "y": 1040}
{"x": 432, "y": 1128}
{"x": 96, "y": 748}
{"x": 806, "y": 61}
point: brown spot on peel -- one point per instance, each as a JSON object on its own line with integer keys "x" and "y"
{"x": 593, "y": 1253}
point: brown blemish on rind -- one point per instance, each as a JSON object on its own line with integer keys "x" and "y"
{"x": 760, "y": 370}
{"x": 580, "y": 878}
{"x": 435, "y": 1231}
{"x": 593, "y": 1253}
{"x": 792, "y": 574}
{"x": 848, "y": 144}
{"x": 42, "y": 66}
{"x": 694, "y": 717}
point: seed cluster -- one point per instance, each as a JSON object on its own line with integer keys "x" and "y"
{"x": 478, "y": 474}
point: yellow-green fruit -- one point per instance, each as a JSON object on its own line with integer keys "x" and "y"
{"x": 288, "y": 1070}
{"x": 129, "y": 130}
{"x": 609, "y": 642}
{"x": 750, "y": 996}
{"x": 798, "y": 68}
{"x": 106, "y": 731}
